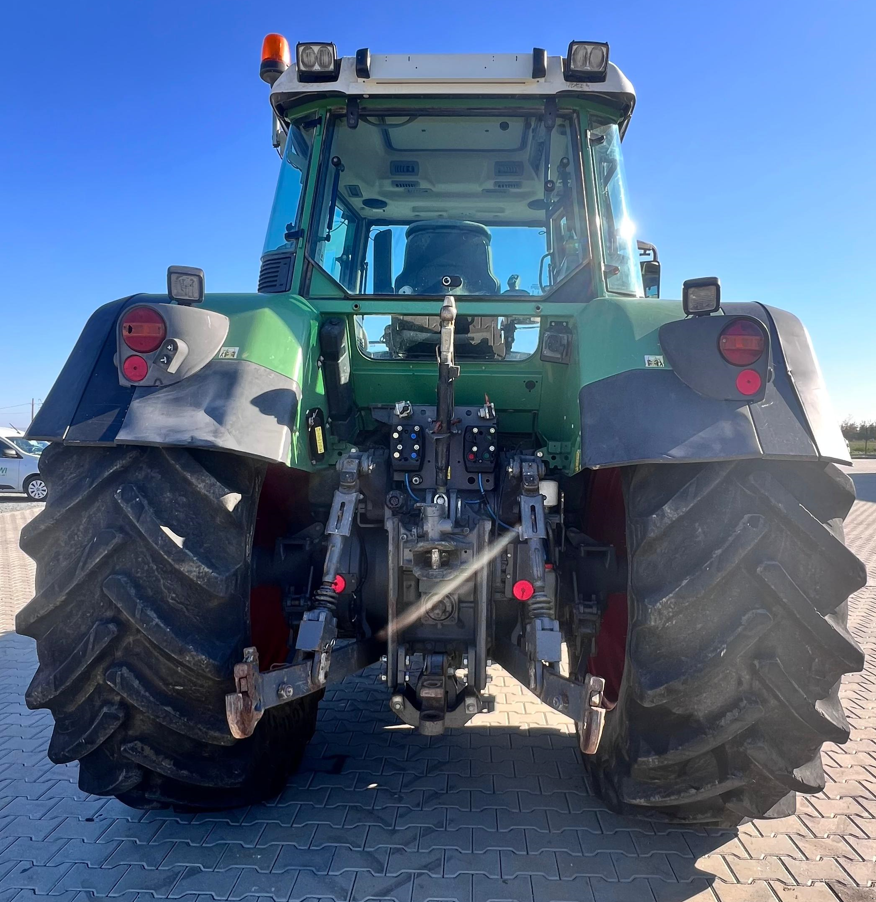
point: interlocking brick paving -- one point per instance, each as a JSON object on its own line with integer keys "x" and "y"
{"x": 497, "y": 812}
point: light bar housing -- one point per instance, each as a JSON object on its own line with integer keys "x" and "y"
{"x": 317, "y": 62}
{"x": 586, "y": 61}
{"x": 700, "y": 297}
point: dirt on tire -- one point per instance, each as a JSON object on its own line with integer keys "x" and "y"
{"x": 737, "y": 640}
{"x": 140, "y": 613}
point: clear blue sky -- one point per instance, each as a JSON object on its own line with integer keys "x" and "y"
{"x": 136, "y": 135}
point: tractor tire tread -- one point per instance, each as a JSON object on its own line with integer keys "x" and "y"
{"x": 737, "y": 640}
{"x": 140, "y": 612}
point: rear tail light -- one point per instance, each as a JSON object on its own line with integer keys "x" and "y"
{"x": 135, "y": 368}
{"x": 742, "y": 343}
{"x": 749, "y": 382}
{"x": 143, "y": 330}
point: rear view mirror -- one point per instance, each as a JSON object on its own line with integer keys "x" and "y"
{"x": 8, "y": 452}
{"x": 651, "y": 278}
{"x": 650, "y": 269}
{"x": 383, "y": 262}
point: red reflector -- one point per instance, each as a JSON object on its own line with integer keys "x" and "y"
{"x": 748, "y": 382}
{"x": 135, "y": 368}
{"x": 143, "y": 329}
{"x": 339, "y": 584}
{"x": 742, "y": 342}
{"x": 523, "y": 590}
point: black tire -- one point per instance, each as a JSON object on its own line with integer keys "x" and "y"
{"x": 737, "y": 640}
{"x": 35, "y": 488}
{"x": 140, "y": 613}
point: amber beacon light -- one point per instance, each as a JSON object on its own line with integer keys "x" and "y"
{"x": 275, "y": 57}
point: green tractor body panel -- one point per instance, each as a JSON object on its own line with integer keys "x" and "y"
{"x": 615, "y": 400}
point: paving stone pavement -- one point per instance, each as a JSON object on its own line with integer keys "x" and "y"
{"x": 497, "y": 812}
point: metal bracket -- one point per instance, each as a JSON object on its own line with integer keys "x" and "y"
{"x": 544, "y": 641}
{"x": 593, "y": 723}
{"x": 255, "y": 692}
{"x": 582, "y": 701}
{"x": 469, "y": 703}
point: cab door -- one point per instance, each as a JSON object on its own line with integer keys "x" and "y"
{"x": 10, "y": 467}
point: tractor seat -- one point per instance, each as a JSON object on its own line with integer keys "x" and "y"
{"x": 447, "y": 247}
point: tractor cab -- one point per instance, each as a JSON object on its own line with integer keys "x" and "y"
{"x": 400, "y": 180}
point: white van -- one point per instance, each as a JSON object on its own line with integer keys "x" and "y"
{"x": 19, "y": 465}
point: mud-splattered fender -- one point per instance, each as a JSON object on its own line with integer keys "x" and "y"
{"x": 652, "y": 415}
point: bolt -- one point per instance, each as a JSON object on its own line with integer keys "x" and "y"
{"x": 285, "y": 691}
{"x": 407, "y": 677}
{"x": 556, "y": 702}
{"x": 465, "y": 661}
{"x": 382, "y": 677}
{"x": 539, "y": 453}
{"x": 407, "y": 660}
{"x": 383, "y": 659}
{"x": 489, "y": 678}
{"x": 489, "y": 662}
{"x": 397, "y": 703}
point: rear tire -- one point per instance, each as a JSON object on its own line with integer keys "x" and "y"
{"x": 737, "y": 640}
{"x": 140, "y": 613}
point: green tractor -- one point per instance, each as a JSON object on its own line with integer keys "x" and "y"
{"x": 456, "y": 425}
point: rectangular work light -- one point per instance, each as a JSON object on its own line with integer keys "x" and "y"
{"x": 185, "y": 284}
{"x": 317, "y": 62}
{"x": 586, "y": 61}
{"x": 701, "y": 296}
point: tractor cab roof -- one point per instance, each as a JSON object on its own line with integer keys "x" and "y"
{"x": 463, "y": 75}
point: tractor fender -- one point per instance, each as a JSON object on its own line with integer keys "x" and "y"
{"x": 227, "y": 405}
{"x": 653, "y": 416}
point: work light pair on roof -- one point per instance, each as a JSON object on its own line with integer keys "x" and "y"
{"x": 584, "y": 61}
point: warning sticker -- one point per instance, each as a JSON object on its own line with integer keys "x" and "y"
{"x": 320, "y": 442}
{"x": 228, "y": 353}
{"x": 654, "y": 360}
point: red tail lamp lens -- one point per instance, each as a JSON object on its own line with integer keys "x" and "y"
{"x": 143, "y": 330}
{"x": 135, "y": 368}
{"x": 742, "y": 343}
{"x": 749, "y": 382}
{"x": 523, "y": 590}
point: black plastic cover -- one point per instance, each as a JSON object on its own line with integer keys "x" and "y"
{"x": 336, "y": 373}
{"x": 88, "y": 385}
{"x": 652, "y": 416}
{"x": 275, "y": 275}
{"x": 229, "y": 405}
{"x": 691, "y": 349}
